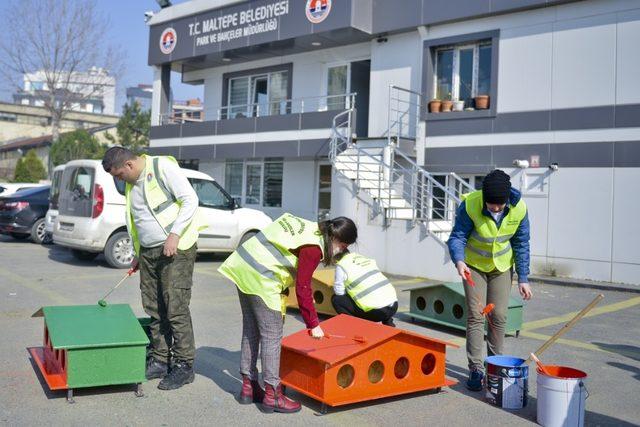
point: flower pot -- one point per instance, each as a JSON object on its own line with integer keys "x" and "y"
{"x": 447, "y": 105}
{"x": 458, "y": 105}
{"x": 434, "y": 106}
{"x": 482, "y": 102}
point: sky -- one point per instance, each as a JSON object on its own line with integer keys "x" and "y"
{"x": 129, "y": 32}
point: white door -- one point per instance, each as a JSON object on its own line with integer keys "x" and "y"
{"x": 221, "y": 233}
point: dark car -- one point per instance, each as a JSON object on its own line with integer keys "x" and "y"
{"x": 22, "y": 213}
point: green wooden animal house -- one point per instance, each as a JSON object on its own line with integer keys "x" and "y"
{"x": 91, "y": 346}
{"x": 444, "y": 304}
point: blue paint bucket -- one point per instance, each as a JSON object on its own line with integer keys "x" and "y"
{"x": 507, "y": 381}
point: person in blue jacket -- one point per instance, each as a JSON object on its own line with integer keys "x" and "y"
{"x": 490, "y": 236}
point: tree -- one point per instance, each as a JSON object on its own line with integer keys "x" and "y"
{"x": 78, "y": 144}
{"x": 133, "y": 128}
{"x": 30, "y": 168}
{"x": 47, "y": 44}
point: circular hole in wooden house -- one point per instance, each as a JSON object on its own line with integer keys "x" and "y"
{"x": 438, "y": 306}
{"x": 376, "y": 372}
{"x": 318, "y": 297}
{"x": 345, "y": 376}
{"x": 401, "y": 369}
{"x": 421, "y": 303}
{"x": 428, "y": 364}
{"x": 457, "y": 311}
{"x": 286, "y": 292}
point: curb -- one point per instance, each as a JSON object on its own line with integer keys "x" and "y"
{"x": 615, "y": 287}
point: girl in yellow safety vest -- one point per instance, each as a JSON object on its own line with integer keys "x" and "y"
{"x": 283, "y": 254}
{"x": 361, "y": 290}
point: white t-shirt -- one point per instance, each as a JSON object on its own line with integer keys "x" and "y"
{"x": 497, "y": 216}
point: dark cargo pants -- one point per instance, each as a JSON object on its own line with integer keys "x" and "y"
{"x": 165, "y": 284}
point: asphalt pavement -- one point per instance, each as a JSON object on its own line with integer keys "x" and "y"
{"x": 605, "y": 345}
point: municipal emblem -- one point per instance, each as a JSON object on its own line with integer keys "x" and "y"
{"x": 318, "y": 10}
{"x": 168, "y": 40}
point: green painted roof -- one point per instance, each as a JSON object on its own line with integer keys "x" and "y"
{"x": 90, "y": 326}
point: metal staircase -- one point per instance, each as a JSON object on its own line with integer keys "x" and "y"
{"x": 385, "y": 170}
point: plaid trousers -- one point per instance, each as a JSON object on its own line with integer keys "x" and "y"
{"x": 261, "y": 332}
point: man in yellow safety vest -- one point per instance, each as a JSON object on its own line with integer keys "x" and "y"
{"x": 490, "y": 236}
{"x": 163, "y": 220}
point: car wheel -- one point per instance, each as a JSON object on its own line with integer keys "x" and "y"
{"x": 48, "y": 239}
{"x": 19, "y": 236}
{"x": 119, "y": 250}
{"x": 38, "y": 231}
{"x": 84, "y": 255}
{"x": 246, "y": 237}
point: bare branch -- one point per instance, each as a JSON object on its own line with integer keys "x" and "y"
{"x": 60, "y": 43}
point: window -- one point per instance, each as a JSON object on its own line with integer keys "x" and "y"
{"x": 337, "y": 87}
{"x": 257, "y": 183}
{"x": 233, "y": 180}
{"x": 81, "y": 182}
{"x": 210, "y": 194}
{"x": 272, "y": 183}
{"x": 257, "y": 95}
{"x": 324, "y": 192}
{"x": 463, "y": 72}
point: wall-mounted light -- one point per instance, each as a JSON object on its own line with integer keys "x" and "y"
{"x": 316, "y": 44}
{"x": 522, "y": 164}
{"x": 226, "y": 59}
{"x": 554, "y": 167}
{"x": 148, "y": 15}
{"x": 382, "y": 39}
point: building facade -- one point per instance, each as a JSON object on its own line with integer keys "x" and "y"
{"x": 93, "y": 91}
{"x": 140, "y": 94}
{"x": 324, "y": 108}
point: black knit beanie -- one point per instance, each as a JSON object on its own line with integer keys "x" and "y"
{"x": 496, "y": 187}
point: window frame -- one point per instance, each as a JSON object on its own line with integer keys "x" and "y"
{"x": 431, "y": 47}
{"x": 243, "y": 196}
{"x": 255, "y": 72}
{"x": 325, "y": 83}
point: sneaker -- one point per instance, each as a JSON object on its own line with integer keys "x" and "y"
{"x": 474, "y": 383}
{"x": 181, "y": 373}
{"x": 156, "y": 369}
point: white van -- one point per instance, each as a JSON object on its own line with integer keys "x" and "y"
{"x": 52, "y": 213}
{"x": 91, "y": 215}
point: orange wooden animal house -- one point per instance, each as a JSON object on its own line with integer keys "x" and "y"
{"x": 380, "y": 362}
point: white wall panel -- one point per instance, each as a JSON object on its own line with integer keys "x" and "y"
{"x": 580, "y": 213}
{"x": 628, "y": 58}
{"x": 626, "y": 221}
{"x": 525, "y": 56}
{"x": 584, "y": 59}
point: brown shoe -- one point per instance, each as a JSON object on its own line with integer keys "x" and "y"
{"x": 251, "y": 391}
{"x": 275, "y": 400}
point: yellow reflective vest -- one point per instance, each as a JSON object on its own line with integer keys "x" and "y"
{"x": 264, "y": 265}
{"x": 163, "y": 205}
{"x": 365, "y": 284}
{"x": 488, "y": 247}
